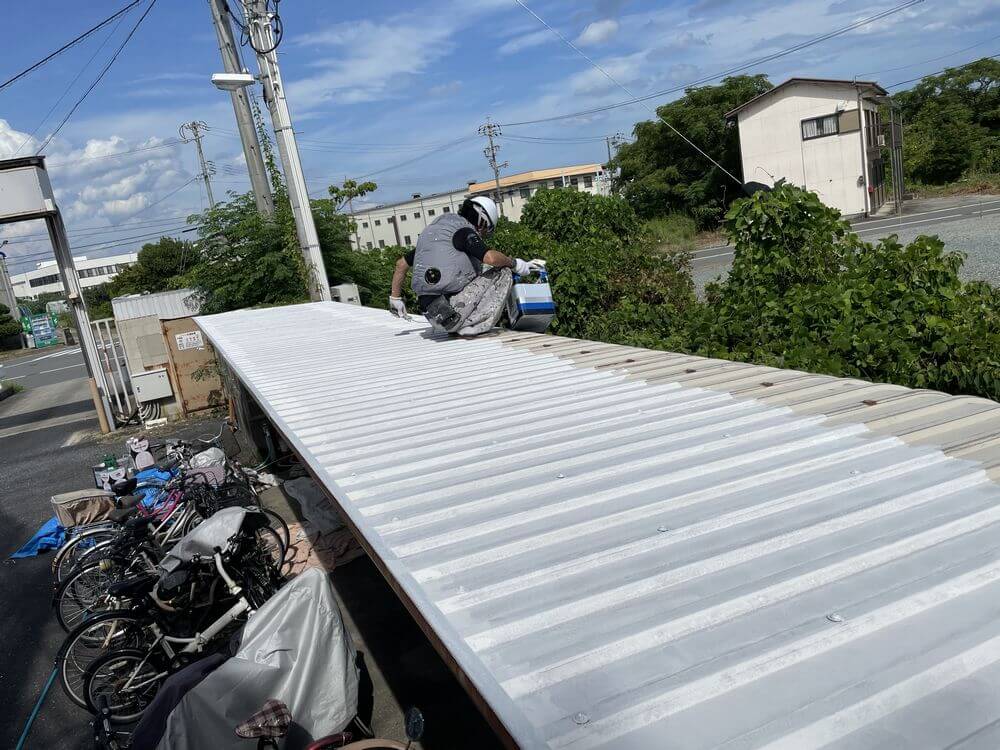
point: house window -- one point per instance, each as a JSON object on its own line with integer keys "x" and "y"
{"x": 525, "y": 192}
{"x": 574, "y": 183}
{"x": 406, "y": 240}
{"x": 391, "y": 220}
{"x": 378, "y": 222}
{"x": 416, "y": 214}
{"x": 403, "y": 217}
{"x": 364, "y": 224}
{"x": 430, "y": 211}
{"x": 557, "y": 183}
{"x": 369, "y": 246}
{"x": 446, "y": 210}
{"x": 381, "y": 243}
{"x": 819, "y": 127}
{"x": 588, "y": 181}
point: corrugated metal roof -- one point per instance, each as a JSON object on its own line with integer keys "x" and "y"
{"x": 176, "y": 303}
{"x": 625, "y": 549}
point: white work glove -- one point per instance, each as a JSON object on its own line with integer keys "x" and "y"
{"x": 398, "y": 308}
{"x": 528, "y": 267}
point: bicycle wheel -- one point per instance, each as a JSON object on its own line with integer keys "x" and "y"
{"x": 92, "y": 639}
{"x": 127, "y": 678}
{"x": 277, "y": 523}
{"x": 68, "y": 555}
{"x": 84, "y": 593}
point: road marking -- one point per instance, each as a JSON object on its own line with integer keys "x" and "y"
{"x": 18, "y": 377}
{"x": 57, "y": 369}
{"x": 46, "y": 356}
{"x": 966, "y": 207}
{"x": 938, "y": 219}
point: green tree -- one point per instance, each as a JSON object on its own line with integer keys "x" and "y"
{"x": 942, "y": 143}
{"x": 8, "y": 327}
{"x": 660, "y": 173}
{"x": 158, "y": 267}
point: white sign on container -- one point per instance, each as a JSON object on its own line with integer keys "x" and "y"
{"x": 192, "y": 340}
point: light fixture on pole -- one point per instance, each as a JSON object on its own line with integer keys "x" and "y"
{"x": 232, "y": 81}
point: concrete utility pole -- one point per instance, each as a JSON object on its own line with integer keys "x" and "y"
{"x": 195, "y": 128}
{"x": 241, "y": 106}
{"x": 263, "y": 41}
{"x": 490, "y": 152}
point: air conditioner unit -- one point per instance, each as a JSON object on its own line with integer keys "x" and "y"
{"x": 881, "y": 140}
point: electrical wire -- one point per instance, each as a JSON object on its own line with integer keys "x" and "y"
{"x": 624, "y": 88}
{"x": 107, "y": 229}
{"x": 720, "y": 74}
{"x": 932, "y": 59}
{"x": 945, "y": 70}
{"x": 68, "y": 45}
{"x": 72, "y": 83}
{"x": 100, "y": 77}
{"x": 406, "y": 163}
{"x": 98, "y": 246}
{"x": 166, "y": 144}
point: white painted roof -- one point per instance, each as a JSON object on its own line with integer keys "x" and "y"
{"x": 632, "y": 549}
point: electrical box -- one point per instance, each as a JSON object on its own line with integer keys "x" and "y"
{"x": 25, "y": 192}
{"x": 151, "y": 385}
{"x": 347, "y": 293}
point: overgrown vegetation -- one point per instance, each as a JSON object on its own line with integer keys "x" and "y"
{"x": 660, "y": 173}
{"x": 804, "y": 292}
{"x": 9, "y": 329}
{"x": 952, "y": 123}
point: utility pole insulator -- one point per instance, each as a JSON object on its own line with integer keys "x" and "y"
{"x": 195, "y": 129}
{"x": 491, "y": 130}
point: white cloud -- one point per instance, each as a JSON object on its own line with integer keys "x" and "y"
{"x": 598, "y": 32}
{"x": 445, "y": 89}
{"x": 526, "y": 41}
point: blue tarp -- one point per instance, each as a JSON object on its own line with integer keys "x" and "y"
{"x": 50, "y": 536}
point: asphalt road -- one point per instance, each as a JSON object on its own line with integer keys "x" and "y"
{"x": 38, "y": 368}
{"x": 919, "y": 214}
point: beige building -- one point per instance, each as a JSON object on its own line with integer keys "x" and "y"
{"x": 823, "y": 135}
{"x": 401, "y": 223}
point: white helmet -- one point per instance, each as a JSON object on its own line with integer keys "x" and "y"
{"x": 487, "y": 211}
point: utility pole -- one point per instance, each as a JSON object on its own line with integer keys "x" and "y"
{"x": 195, "y": 128}
{"x": 350, "y": 207}
{"x": 241, "y": 107}
{"x": 490, "y": 130}
{"x": 264, "y": 43}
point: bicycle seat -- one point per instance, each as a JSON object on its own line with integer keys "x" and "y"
{"x": 129, "y": 501}
{"x": 123, "y": 516}
{"x": 133, "y": 586}
{"x": 272, "y": 720}
{"x": 124, "y": 486}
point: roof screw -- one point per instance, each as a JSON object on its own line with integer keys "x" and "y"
{"x": 395, "y": 518}
{"x": 854, "y": 472}
{"x": 725, "y": 434}
{"x": 560, "y": 476}
{"x": 835, "y": 617}
{"x": 662, "y": 528}
{"x": 580, "y": 717}
{"x": 354, "y": 474}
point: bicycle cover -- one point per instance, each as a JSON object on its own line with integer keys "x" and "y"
{"x": 201, "y": 541}
{"x": 294, "y": 649}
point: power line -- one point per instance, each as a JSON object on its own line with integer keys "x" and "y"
{"x": 945, "y": 70}
{"x": 932, "y": 59}
{"x": 97, "y": 80}
{"x": 72, "y": 83}
{"x": 166, "y": 144}
{"x": 98, "y": 231}
{"x": 721, "y": 74}
{"x": 69, "y": 44}
{"x": 100, "y": 245}
{"x": 622, "y": 86}
{"x": 422, "y": 156}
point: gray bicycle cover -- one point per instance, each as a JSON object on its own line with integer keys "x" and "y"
{"x": 214, "y": 531}
{"x": 294, "y": 649}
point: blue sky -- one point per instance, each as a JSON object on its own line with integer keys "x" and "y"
{"x": 372, "y": 85}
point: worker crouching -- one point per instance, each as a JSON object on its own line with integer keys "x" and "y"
{"x": 453, "y": 291}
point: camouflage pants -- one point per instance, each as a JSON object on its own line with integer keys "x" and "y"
{"x": 482, "y": 302}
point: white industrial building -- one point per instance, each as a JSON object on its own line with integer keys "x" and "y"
{"x": 92, "y": 272}
{"x": 401, "y": 223}
{"x": 811, "y": 132}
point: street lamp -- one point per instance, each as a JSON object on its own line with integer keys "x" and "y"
{"x": 232, "y": 81}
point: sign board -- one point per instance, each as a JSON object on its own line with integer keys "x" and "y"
{"x": 42, "y": 329}
{"x": 191, "y": 340}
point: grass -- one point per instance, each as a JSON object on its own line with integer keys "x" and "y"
{"x": 971, "y": 184}
{"x": 679, "y": 232}
{"x": 14, "y": 387}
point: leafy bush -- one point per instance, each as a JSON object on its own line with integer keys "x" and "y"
{"x": 9, "y": 329}
{"x": 675, "y": 230}
{"x": 605, "y": 277}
